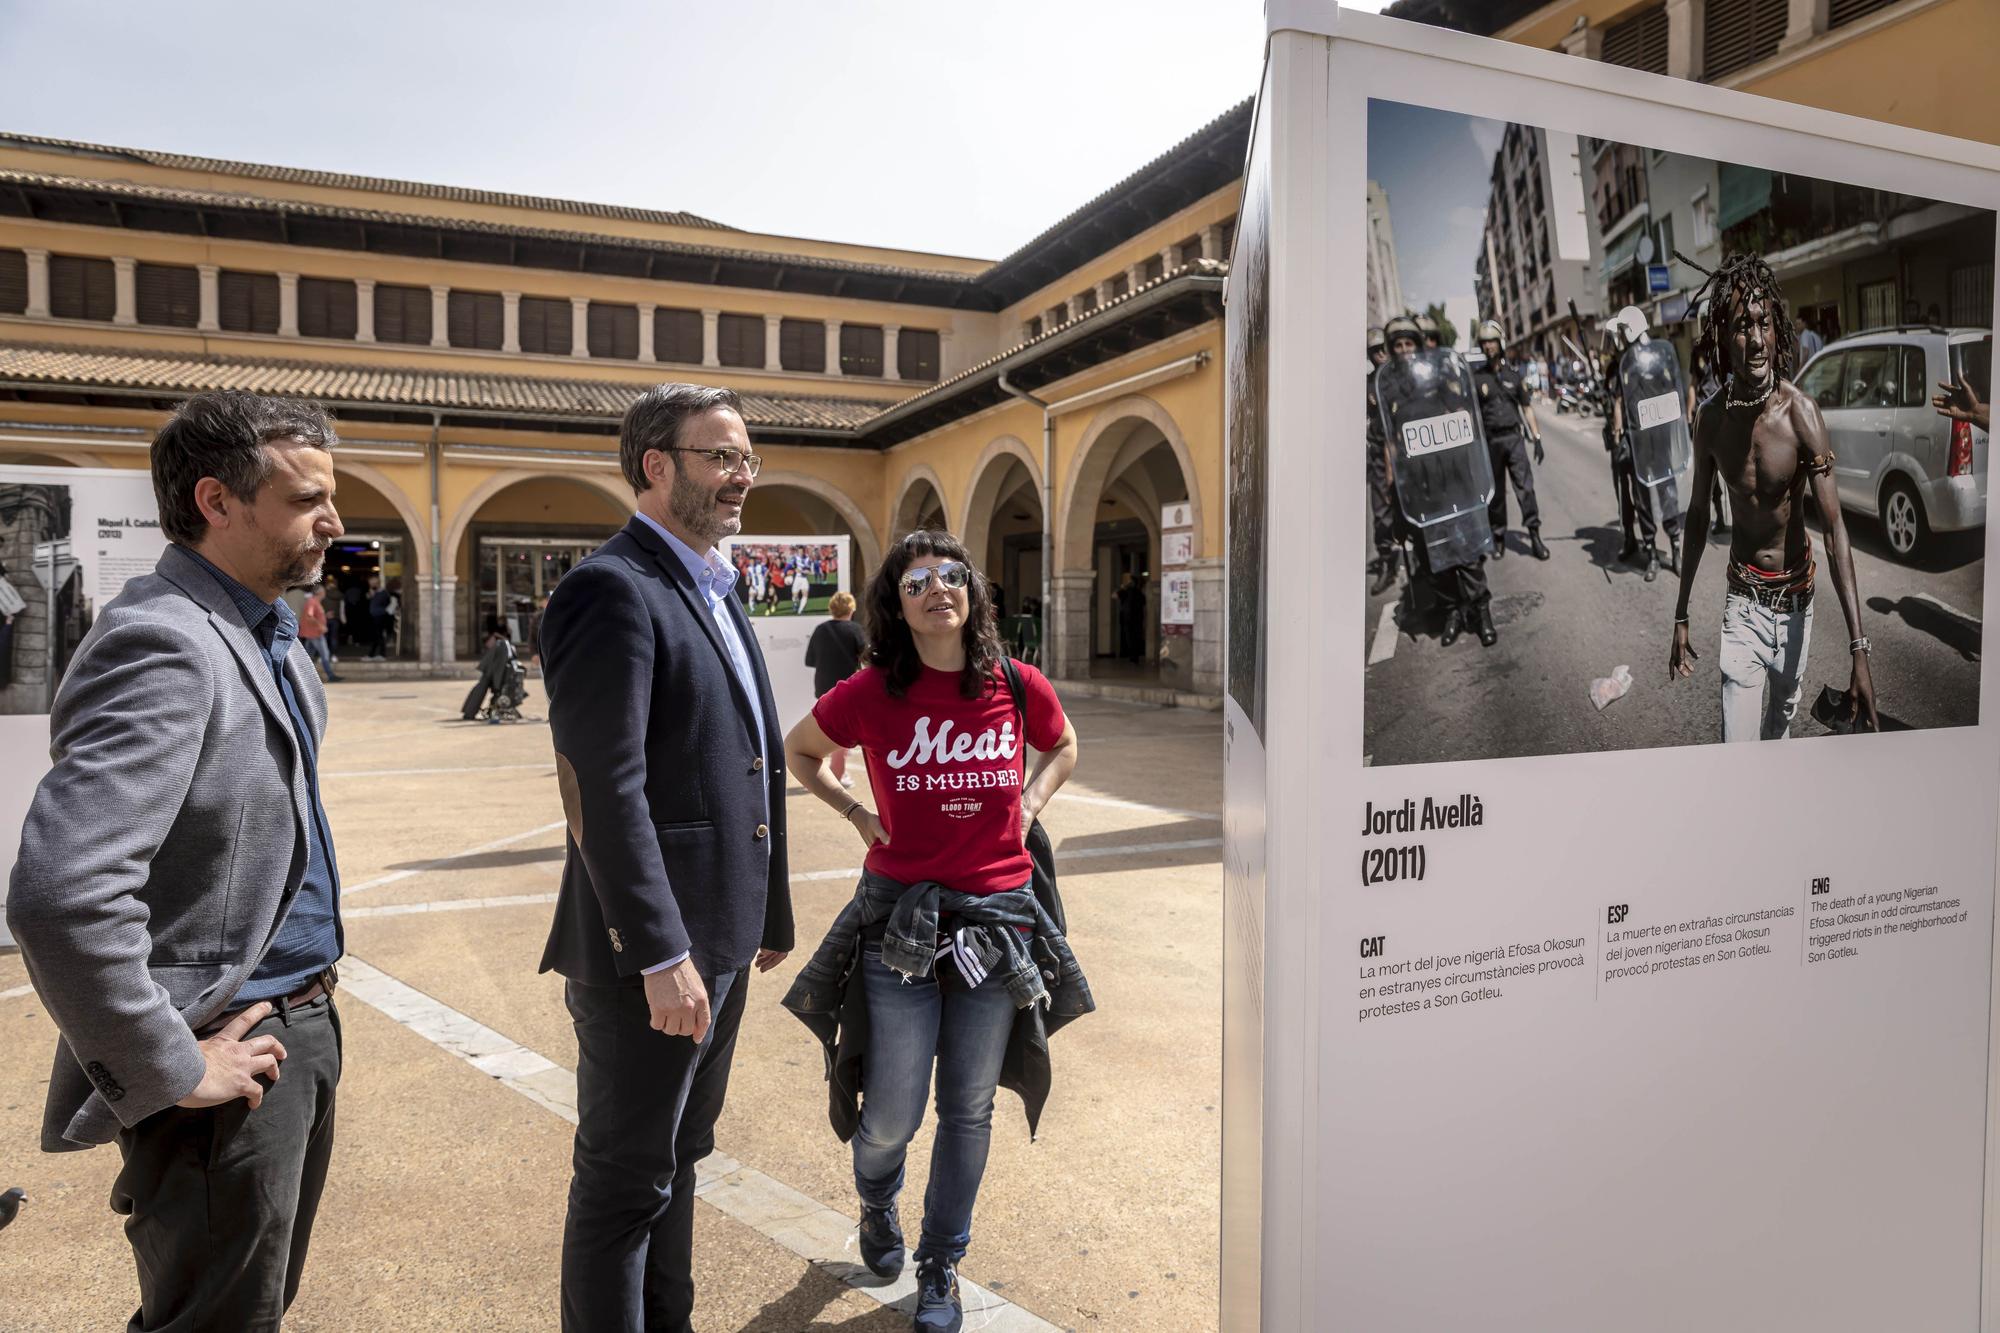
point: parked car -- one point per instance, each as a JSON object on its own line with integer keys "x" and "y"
{"x": 1896, "y": 459}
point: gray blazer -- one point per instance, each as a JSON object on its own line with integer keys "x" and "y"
{"x": 162, "y": 850}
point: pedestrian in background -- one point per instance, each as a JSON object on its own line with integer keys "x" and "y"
{"x": 834, "y": 653}
{"x": 176, "y": 898}
{"x": 313, "y": 632}
{"x": 336, "y": 612}
{"x": 383, "y": 606}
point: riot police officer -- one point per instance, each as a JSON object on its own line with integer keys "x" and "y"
{"x": 1381, "y": 493}
{"x": 1428, "y": 327}
{"x": 1442, "y": 475}
{"x": 1646, "y": 454}
{"x": 1504, "y": 408}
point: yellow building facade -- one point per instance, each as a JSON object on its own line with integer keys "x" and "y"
{"x": 1925, "y": 64}
{"x": 479, "y": 349}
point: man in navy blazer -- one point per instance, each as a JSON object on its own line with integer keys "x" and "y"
{"x": 671, "y": 764}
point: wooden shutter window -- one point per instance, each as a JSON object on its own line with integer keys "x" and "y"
{"x": 1156, "y": 268}
{"x": 1842, "y": 12}
{"x": 402, "y": 314}
{"x": 545, "y": 326}
{"x": 1639, "y": 42}
{"x": 677, "y": 336}
{"x": 1739, "y": 33}
{"x": 860, "y": 349}
{"x": 168, "y": 294}
{"x": 740, "y": 341}
{"x": 13, "y": 282}
{"x": 82, "y": 288}
{"x": 247, "y": 302}
{"x": 614, "y": 331}
{"x": 917, "y": 355}
{"x": 328, "y": 308}
{"x": 475, "y": 319}
{"x": 1188, "y": 249}
{"x": 802, "y": 345}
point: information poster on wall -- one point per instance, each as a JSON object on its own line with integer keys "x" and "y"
{"x": 69, "y": 539}
{"x": 1629, "y": 948}
{"x": 786, "y": 585}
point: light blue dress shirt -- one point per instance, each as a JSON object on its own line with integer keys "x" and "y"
{"x": 715, "y": 579}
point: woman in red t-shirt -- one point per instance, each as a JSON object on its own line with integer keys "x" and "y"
{"x": 936, "y": 722}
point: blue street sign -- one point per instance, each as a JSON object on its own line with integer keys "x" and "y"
{"x": 1659, "y": 278}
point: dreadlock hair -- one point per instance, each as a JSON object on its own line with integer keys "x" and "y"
{"x": 1742, "y": 279}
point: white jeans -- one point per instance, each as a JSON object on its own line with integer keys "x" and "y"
{"x": 1762, "y": 646}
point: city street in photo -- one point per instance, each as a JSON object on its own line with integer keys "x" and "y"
{"x": 1520, "y": 607}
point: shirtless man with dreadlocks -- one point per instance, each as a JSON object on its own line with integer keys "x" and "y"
{"x": 1767, "y": 442}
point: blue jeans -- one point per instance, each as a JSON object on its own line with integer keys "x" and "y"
{"x": 319, "y": 652}
{"x": 911, "y": 1024}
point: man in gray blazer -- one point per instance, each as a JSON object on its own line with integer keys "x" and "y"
{"x": 176, "y": 895}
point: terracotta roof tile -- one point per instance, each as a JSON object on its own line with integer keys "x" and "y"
{"x": 296, "y": 208}
{"x": 74, "y": 367}
{"x": 372, "y": 184}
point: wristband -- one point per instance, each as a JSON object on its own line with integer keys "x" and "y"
{"x": 1860, "y": 645}
{"x": 852, "y": 806}
{"x": 1680, "y": 620}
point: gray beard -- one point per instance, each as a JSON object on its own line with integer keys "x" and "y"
{"x": 694, "y": 509}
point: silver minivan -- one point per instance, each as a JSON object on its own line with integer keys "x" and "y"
{"x": 1896, "y": 459}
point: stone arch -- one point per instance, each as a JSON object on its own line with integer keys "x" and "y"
{"x": 378, "y": 481}
{"x": 982, "y": 492}
{"x": 904, "y": 513}
{"x": 1091, "y": 468}
{"x": 843, "y": 504}
{"x": 611, "y": 484}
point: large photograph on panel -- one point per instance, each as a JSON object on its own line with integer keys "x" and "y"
{"x": 1602, "y": 378}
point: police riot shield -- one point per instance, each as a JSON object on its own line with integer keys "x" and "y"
{"x": 1437, "y": 454}
{"x": 1656, "y": 418}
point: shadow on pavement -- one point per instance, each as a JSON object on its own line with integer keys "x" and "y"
{"x": 490, "y": 860}
{"x": 797, "y": 1308}
{"x": 1928, "y": 617}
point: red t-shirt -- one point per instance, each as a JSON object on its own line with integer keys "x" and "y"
{"x": 946, "y": 770}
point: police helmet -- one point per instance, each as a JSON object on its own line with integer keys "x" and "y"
{"x": 1425, "y": 324}
{"x": 1490, "y": 331}
{"x": 1402, "y": 326}
{"x": 1631, "y": 325}
{"x": 1376, "y": 338}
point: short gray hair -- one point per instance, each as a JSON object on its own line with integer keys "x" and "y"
{"x": 222, "y": 435}
{"x": 655, "y": 421}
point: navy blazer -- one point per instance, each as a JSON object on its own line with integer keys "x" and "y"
{"x": 671, "y": 844}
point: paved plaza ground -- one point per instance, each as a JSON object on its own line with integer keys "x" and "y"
{"x": 445, "y": 1206}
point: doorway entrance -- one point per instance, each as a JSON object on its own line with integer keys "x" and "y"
{"x": 352, "y": 562}
{"x": 516, "y": 573}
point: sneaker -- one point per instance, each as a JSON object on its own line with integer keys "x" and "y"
{"x": 881, "y": 1236}
{"x": 938, "y": 1307}
{"x": 846, "y": 783}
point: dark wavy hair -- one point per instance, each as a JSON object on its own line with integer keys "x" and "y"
{"x": 1741, "y": 279}
{"x": 890, "y": 644}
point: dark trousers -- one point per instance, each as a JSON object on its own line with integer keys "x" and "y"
{"x": 1382, "y": 501}
{"x": 646, "y": 1110}
{"x": 219, "y": 1203}
{"x": 1509, "y": 454}
{"x": 1462, "y": 588}
{"x": 1635, "y": 505}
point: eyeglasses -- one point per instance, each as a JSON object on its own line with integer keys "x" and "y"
{"x": 729, "y": 460}
{"x": 952, "y": 574}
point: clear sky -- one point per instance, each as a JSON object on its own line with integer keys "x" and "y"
{"x": 1435, "y": 166}
{"x": 957, "y": 128}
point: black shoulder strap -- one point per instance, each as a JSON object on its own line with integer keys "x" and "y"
{"x": 1019, "y": 691}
